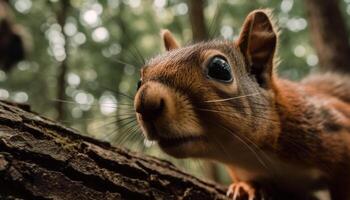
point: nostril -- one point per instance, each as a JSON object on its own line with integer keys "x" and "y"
{"x": 150, "y": 110}
{"x": 161, "y": 106}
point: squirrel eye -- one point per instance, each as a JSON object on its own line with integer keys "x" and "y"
{"x": 219, "y": 69}
{"x": 139, "y": 84}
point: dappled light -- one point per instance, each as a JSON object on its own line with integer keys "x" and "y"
{"x": 79, "y": 62}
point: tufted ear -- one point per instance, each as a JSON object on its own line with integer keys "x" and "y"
{"x": 257, "y": 42}
{"x": 169, "y": 40}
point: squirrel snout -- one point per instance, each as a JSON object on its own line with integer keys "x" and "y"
{"x": 149, "y": 103}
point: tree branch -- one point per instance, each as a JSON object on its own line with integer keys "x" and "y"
{"x": 41, "y": 159}
{"x": 329, "y": 34}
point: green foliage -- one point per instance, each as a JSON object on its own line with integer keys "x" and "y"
{"x": 106, "y": 40}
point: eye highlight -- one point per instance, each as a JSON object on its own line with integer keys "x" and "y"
{"x": 219, "y": 69}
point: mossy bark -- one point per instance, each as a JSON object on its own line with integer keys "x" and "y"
{"x": 41, "y": 159}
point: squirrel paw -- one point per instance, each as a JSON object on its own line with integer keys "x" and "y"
{"x": 241, "y": 191}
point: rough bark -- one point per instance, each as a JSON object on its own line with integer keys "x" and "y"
{"x": 40, "y": 159}
{"x": 196, "y": 14}
{"x": 329, "y": 34}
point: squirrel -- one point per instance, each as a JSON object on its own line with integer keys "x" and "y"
{"x": 222, "y": 100}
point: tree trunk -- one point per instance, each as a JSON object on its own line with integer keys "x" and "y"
{"x": 63, "y": 68}
{"x": 12, "y": 48}
{"x": 196, "y": 14}
{"x": 329, "y": 34}
{"x": 40, "y": 159}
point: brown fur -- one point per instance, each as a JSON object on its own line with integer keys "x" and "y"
{"x": 271, "y": 132}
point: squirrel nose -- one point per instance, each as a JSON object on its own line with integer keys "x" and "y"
{"x": 149, "y": 105}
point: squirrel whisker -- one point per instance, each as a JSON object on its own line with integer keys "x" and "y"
{"x": 122, "y": 62}
{"x": 128, "y": 97}
{"x": 256, "y": 106}
{"x": 256, "y": 154}
{"x": 232, "y": 98}
{"x": 118, "y": 131}
{"x": 230, "y": 114}
{"x": 127, "y": 133}
{"x": 116, "y": 122}
{"x": 109, "y": 105}
{"x": 100, "y": 117}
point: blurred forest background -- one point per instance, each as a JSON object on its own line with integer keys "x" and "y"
{"x": 78, "y": 61}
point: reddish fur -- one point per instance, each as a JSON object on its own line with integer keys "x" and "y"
{"x": 303, "y": 128}
{"x": 327, "y": 150}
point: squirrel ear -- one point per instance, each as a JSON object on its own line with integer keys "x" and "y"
{"x": 169, "y": 40}
{"x": 257, "y": 42}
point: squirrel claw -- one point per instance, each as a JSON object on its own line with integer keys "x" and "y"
{"x": 241, "y": 191}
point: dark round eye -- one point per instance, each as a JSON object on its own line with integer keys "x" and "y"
{"x": 139, "y": 84}
{"x": 219, "y": 69}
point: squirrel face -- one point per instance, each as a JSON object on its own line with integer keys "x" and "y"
{"x": 194, "y": 100}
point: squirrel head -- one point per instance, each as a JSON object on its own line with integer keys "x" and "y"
{"x": 203, "y": 99}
